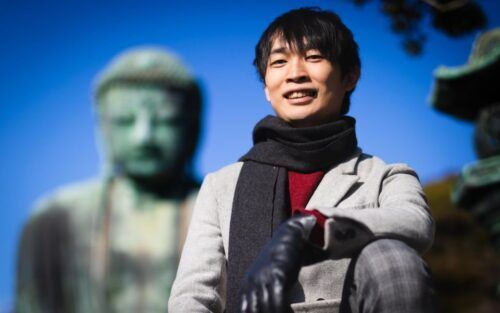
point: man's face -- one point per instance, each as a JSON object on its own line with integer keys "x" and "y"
{"x": 143, "y": 129}
{"x": 304, "y": 90}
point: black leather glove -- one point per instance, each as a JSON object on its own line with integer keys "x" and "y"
{"x": 266, "y": 285}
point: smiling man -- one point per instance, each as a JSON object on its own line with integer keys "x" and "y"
{"x": 305, "y": 221}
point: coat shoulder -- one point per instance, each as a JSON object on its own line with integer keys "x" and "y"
{"x": 369, "y": 165}
{"x": 226, "y": 176}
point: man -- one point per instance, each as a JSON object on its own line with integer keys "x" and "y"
{"x": 352, "y": 227}
{"x": 112, "y": 244}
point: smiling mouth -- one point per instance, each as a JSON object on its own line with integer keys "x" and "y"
{"x": 300, "y": 94}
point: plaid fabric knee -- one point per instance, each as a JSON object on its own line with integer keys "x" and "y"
{"x": 389, "y": 276}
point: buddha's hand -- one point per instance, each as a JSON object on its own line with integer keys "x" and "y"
{"x": 266, "y": 285}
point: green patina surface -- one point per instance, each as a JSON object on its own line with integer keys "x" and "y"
{"x": 475, "y": 176}
{"x": 112, "y": 244}
{"x": 463, "y": 91}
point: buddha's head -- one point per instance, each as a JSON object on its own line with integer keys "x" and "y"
{"x": 148, "y": 105}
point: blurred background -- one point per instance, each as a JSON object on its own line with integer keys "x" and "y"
{"x": 51, "y": 52}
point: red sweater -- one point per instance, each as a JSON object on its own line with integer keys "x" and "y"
{"x": 301, "y": 187}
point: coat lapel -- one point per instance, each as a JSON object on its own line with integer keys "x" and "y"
{"x": 334, "y": 186}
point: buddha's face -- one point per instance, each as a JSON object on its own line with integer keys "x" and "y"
{"x": 144, "y": 130}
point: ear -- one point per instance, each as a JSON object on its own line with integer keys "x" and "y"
{"x": 266, "y": 91}
{"x": 351, "y": 79}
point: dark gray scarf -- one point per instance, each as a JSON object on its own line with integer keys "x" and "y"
{"x": 261, "y": 200}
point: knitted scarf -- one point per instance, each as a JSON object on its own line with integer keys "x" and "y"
{"x": 261, "y": 201}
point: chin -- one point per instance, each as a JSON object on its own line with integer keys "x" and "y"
{"x": 301, "y": 123}
{"x": 303, "y": 111}
{"x": 299, "y": 120}
{"x": 144, "y": 170}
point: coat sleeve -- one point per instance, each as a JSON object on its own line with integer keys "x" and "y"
{"x": 200, "y": 282}
{"x": 401, "y": 213}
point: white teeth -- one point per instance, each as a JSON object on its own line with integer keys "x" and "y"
{"x": 300, "y": 94}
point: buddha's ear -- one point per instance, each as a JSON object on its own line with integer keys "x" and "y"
{"x": 351, "y": 79}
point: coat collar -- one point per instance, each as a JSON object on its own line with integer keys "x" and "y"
{"x": 335, "y": 184}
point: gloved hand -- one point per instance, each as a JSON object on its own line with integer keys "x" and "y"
{"x": 266, "y": 285}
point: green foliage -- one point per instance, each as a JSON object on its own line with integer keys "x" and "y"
{"x": 463, "y": 262}
{"x": 454, "y": 18}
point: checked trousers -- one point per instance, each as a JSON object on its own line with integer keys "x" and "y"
{"x": 390, "y": 277}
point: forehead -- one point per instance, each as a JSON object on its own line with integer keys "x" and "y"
{"x": 279, "y": 44}
{"x": 132, "y": 98}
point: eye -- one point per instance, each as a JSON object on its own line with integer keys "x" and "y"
{"x": 277, "y": 62}
{"x": 123, "y": 120}
{"x": 314, "y": 57}
{"x": 167, "y": 120}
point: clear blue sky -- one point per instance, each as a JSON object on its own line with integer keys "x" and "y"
{"x": 51, "y": 51}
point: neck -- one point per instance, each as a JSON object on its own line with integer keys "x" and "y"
{"x": 161, "y": 186}
{"x": 312, "y": 122}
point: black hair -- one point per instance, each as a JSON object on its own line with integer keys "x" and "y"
{"x": 311, "y": 28}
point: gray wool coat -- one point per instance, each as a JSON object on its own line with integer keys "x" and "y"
{"x": 363, "y": 198}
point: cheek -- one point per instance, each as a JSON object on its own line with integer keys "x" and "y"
{"x": 333, "y": 86}
{"x": 272, "y": 82}
{"x": 327, "y": 81}
{"x": 275, "y": 98}
{"x": 117, "y": 138}
{"x": 170, "y": 137}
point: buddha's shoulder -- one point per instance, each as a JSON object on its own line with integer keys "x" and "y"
{"x": 74, "y": 196}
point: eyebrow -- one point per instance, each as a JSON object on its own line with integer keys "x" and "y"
{"x": 286, "y": 50}
{"x": 279, "y": 50}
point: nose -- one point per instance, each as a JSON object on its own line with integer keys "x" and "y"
{"x": 142, "y": 132}
{"x": 297, "y": 71}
